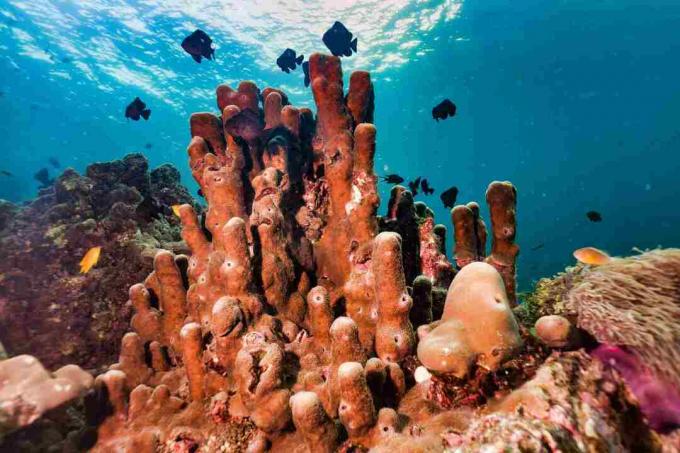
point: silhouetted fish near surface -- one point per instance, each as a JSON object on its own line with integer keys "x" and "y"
{"x": 199, "y": 45}
{"x": 54, "y": 162}
{"x": 448, "y": 197}
{"x": 137, "y": 109}
{"x": 414, "y": 186}
{"x": 443, "y": 110}
{"x": 305, "y": 69}
{"x": 594, "y": 216}
{"x": 6, "y": 173}
{"x": 339, "y": 40}
{"x": 43, "y": 177}
{"x": 246, "y": 124}
{"x": 392, "y": 179}
{"x": 425, "y": 185}
{"x": 287, "y": 61}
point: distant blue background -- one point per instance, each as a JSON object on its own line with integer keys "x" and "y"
{"x": 576, "y": 102}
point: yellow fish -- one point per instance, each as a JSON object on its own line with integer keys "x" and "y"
{"x": 175, "y": 209}
{"x": 592, "y": 256}
{"x": 90, "y": 259}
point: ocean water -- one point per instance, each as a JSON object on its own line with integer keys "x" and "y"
{"x": 577, "y": 102}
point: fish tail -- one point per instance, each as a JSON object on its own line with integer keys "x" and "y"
{"x": 146, "y": 113}
{"x": 353, "y": 44}
{"x": 300, "y": 59}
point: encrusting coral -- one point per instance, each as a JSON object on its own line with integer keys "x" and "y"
{"x": 48, "y": 309}
{"x": 290, "y": 324}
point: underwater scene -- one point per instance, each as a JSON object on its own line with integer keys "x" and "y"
{"x": 340, "y": 226}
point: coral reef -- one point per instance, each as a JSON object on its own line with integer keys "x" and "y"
{"x": 46, "y": 308}
{"x": 290, "y": 322}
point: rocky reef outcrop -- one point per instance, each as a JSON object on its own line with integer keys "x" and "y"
{"x": 300, "y": 320}
{"x": 48, "y": 309}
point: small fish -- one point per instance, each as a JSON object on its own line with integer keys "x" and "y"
{"x": 66, "y": 59}
{"x": 175, "y": 209}
{"x": 6, "y": 173}
{"x": 305, "y": 70}
{"x": 200, "y": 193}
{"x": 54, "y": 162}
{"x": 537, "y": 247}
{"x": 287, "y": 61}
{"x": 148, "y": 145}
{"x": 425, "y": 185}
{"x": 90, "y": 259}
{"x": 199, "y": 45}
{"x": 594, "y": 216}
{"x": 339, "y": 40}
{"x": 443, "y": 110}
{"x": 592, "y": 256}
{"x": 392, "y": 179}
{"x": 43, "y": 177}
{"x": 448, "y": 197}
{"x": 246, "y": 124}
{"x": 414, "y": 185}
{"x": 137, "y": 109}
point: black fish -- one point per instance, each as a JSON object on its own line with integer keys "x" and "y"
{"x": 443, "y": 110}
{"x": 594, "y": 216}
{"x": 137, "y": 109}
{"x": 200, "y": 193}
{"x": 148, "y": 146}
{"x": 393, "y": 179}
{"x": 43, "y": 177}
{"x": 6, "y": 173}
{"x": 288, "y": 61}
{"x": 537, "y": 246}
{"x": 245, "y": 124}
{"x": 425, "y": 185}
{"x": 198, "y": 45}
{"x": 448, "y": 197}
{"x": 339, "y": 40}
{"x": 305, "y": 69}
{"x": 414, "y": 185}
{"x": 54, "y": 162}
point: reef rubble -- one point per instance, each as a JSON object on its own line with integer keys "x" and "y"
{"x": 298, "y": 319}
{"x": 48, "y": 309}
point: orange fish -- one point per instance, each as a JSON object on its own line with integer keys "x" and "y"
{"x": 592, "y": 256}
{"x": 90, "y": 259}
{"x": 175, "y": 209}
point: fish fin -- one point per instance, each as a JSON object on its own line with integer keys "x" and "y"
{"x": 197, "y": 58}
{"x": 307, "y": 81}
{"x": 300, "y": 59}
{"x": 146, "y": 113}
{"x": 286, "y": 70}
{"x": 353, "y": 44}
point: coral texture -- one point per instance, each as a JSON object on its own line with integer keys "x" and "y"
{"x": 46, "y": 308}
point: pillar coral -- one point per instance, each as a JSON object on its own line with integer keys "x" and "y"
{"x": 293, "y": 315}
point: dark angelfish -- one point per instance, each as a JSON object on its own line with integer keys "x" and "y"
{"x": 137, "y": 109}
{"x": 54, "y": 162}
{"x": 443, "y": 110}
{"x": 414, "y": 186}
{"x": 425, "y": 185}
{"x": 43, "y": 177}
{"x": 199, "y": 45}
{"x": 288, "y": 61}
{"x": 305, "y": 69}
{"x": 448, "y": 197}
{"x": 594, "y": 216}
{"x": 246, "y": 124}
{"x": 392, "y": 179}
{"x": 339, "y": 40}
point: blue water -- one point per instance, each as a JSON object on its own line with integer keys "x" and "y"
{"x": 577, "y": 102}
